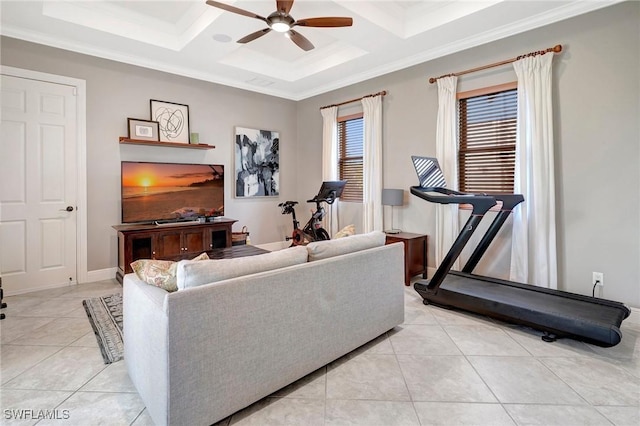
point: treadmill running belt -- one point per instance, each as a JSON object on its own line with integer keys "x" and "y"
{"x": 559, "y": 312}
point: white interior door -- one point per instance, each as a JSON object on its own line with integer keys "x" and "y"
{"x": 38, "y": 195}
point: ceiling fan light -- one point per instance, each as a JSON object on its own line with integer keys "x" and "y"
{"x": 281, "y": 27}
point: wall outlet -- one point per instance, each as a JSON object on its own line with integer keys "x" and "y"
{"x": 597, "y": 278}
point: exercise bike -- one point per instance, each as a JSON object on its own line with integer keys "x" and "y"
{"x": 313, "y": 230}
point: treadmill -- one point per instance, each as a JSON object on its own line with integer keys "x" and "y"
{"x": 556, "y": 313}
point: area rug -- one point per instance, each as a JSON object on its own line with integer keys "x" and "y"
{"x": 105, "y": 316}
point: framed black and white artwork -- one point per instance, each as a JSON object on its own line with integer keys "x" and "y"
{"x": 173, "y": 120}
{"x": 257, "y": 163}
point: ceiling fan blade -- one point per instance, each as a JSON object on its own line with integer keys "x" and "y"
{"x": 302, "y": 42}
{"x": 233, "y": 9}
{"x": 284, "y": 6}
{"x": 253, "y": 36}
{"x": 325, "y": 22}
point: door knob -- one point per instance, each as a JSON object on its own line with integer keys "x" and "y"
{"x": 68, "y": 209}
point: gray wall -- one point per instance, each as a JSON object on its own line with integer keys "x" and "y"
{"x": 597, "y": 137}
{"x": 116, "y": 91}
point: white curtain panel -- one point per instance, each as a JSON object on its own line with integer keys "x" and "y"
{"x": 533, "y": 250}
{"x": 447, "y": 155}
{"x": 330, "y": 161}
{"x": 372, "y": 164}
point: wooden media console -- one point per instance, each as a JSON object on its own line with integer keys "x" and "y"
{"x": 175, "y": 241}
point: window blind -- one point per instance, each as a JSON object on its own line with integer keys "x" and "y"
{"x": 350, "y": 163}
{"x": 487, "y": 133}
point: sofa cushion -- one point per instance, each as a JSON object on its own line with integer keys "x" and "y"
{"x": 330, "y": 248}
{"x": 193, "y": 274}
{"x": 160, "y": 273}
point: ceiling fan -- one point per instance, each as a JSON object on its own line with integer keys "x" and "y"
{"x": 282, "y": 22}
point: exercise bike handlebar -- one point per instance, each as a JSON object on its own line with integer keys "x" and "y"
{"x": 329, "y": 200}
{"x": 481, "y": 203}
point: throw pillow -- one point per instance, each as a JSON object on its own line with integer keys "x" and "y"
{"x": 193, "y": 274}
{"x": 160, "y": 273}
{"x": 345, "y": 232}
{"x": 325, "y": 249}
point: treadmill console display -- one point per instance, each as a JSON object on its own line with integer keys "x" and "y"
{"x": 429, "y": 172}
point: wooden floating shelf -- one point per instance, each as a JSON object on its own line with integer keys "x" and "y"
{"x": 125, "y": 140}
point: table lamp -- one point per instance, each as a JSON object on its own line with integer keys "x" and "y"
{"x": 392, "y": 197}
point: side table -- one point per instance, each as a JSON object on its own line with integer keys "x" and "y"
{"x": 415, "y": 253}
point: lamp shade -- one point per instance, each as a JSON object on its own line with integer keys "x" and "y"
{"x": 392, "y": 197}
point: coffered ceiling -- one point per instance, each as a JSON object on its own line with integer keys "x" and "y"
{"x": 193, "y": 39}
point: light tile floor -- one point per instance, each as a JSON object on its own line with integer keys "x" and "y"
{"x": 438, "y": 368}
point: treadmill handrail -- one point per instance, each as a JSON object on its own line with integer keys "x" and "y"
{"x": 481, "y": 203}
{"x": 509, "y": 202}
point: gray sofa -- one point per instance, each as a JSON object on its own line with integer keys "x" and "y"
{"x": 201, "y": 353}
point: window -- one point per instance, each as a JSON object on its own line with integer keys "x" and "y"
{"x": 487, "y": 134}
{"x": 350, "y": 142}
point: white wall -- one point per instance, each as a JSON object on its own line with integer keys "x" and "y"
{"x": 596, "y": 132}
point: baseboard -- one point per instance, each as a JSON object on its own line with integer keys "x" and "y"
{"x": 101, "y": 275}
{"x": 92, "y": 276}
{"x": 44, "y": 287}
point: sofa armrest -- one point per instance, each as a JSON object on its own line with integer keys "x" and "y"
{"x": 145, "y": 323}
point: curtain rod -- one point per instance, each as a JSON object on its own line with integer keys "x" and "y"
{"x": 384, "y": 92}
{"x": 555, "y": 49}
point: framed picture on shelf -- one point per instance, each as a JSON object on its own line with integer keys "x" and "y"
{"x": 142, "y": 130}
{"x": 257, "y": 163}
{"x": 173, "y": 120}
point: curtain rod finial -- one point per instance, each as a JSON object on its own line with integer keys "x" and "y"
{"x": 557, "y": 48}
{"x": 433, "y": 80}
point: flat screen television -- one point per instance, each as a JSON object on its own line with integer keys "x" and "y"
{"x": 154, "y": 192}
